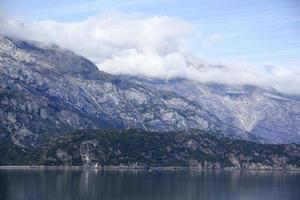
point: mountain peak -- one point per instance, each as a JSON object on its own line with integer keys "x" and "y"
{"x": 60, "y": 60}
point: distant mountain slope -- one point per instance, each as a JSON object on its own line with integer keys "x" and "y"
{"x": 138, "y": 149}
{"x": 47, "y": 90}
{"x": 263, "y": 112}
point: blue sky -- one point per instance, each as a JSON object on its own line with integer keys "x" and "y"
{"x": 257, "y": 31}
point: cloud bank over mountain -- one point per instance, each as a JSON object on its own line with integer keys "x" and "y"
{"x": 157, "y": 46}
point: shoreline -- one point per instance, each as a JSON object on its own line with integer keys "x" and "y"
{"x": 107, "y": 168}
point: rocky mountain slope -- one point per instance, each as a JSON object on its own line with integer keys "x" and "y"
{"x": 138, "y": 149}
{"x": 48, "y": 90}
{"x": 264, "y": 113}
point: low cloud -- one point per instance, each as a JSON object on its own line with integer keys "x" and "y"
{"x": 156, "y": 46}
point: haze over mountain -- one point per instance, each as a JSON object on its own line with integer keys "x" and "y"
{"x": 157, "y": 46}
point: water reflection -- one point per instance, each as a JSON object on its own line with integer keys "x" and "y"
{"x": 144, "y": 185}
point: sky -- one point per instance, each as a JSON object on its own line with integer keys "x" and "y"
{"x": 257, "y": 40}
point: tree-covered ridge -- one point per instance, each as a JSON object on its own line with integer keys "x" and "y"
{"x": 134, "y": 148}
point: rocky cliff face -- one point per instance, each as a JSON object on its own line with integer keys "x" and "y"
{"x": 47, "y": 90}
{"x": 265, "y": 113}
{"x": 138, "y": 149}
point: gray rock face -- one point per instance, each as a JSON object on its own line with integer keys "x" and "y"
{"x": 265, "y": 113}
{"x": 47, "y": 90}
{"x": 90, "y": 153}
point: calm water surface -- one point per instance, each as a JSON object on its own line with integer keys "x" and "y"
{"x": 144, "y": 185}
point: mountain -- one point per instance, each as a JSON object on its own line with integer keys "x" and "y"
{"x": 139, "y": 149}
{"x": 46, "y": 90}
{"x": 265, "y": 113}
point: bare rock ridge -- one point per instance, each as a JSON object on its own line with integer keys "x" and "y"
{"x": 45, "y": 90}
{"x": 264, "y": 113}
{"x": 63, "y": 61}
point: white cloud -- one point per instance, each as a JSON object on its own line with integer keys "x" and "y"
{"x": 101, "y": 37}
{"x": 284, "y": 79}
{"x": 151, "y": 46}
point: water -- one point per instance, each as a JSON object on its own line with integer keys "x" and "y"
{"x": 144, "y": 185}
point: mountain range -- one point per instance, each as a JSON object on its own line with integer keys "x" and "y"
{"x": 46, "y": 90}
{"x": 265, "y": 113}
